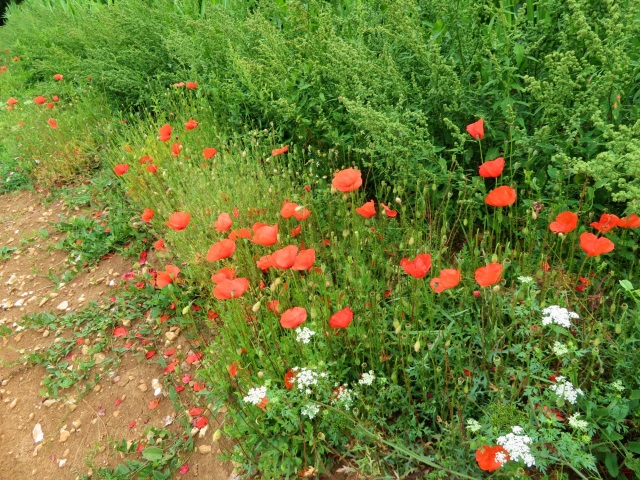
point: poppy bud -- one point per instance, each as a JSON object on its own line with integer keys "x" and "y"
{"x": 494, "y": 258}
{"x": 534, "y": 215}
{"x": 496, "y": 289}
{"x": 411, "y": 241}
{"x": 398, "y": 200}
{"x": 255, "y": 307}
{"x": 185, "y": 310}
{"x": 260, "y": 374}
{"x": 416, "y": 346}
{"x": 216, "y": 435}
{"x": 397, "y": 326}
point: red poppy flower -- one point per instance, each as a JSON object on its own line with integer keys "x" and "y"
{"x": 209, "y": 153}
{"x": 57, "y": 77}
{"x": 191, "y": 124}
{"x": 12, "y": 101}
{"x": 55, "y": 98}
{"x": 293, "y": 317}
{"x": 565, "y": 222}
{"x": 595, "y": 246}
{"x": 607, "y": 222}
{"x": 233, "y": 369}
{"x": 288, "y": 209}
{"x": 388, "y": 212}
{"x": 486, "y": 457}
{"x": 192, "y": 85}
{"x": 341, "y": 319}
{"x": 159, "y": 245}
{"x": 168, "y": 276}
{"x": 273, "y": 305}
{"x": 164, "y": 134}
{"x": 152, "y": 168}
{"x": 476, "y": 129}
{"x": 294, "y": 232}
{"x": 221, "y": 250}
{"x": 305, "y": 259}
{"x": 223, "y": 223}
{"x": 228, "y": 289}
{"x": 176, "y": 148}
{"x": 417, "y": 267}
{"x": 264, "y": 263}
{"x": 284, "y": 258}
{"x": 242, "y": 233}
{"x": 289, "y": 378}
{"x": 52, "y": 123}
{"x": 492, "y": 168}
{"x": 50, "y": 105}
{"x": 145, "y": 159}
{"x": 347, "y": 180}
{"x": 633, "y": 221}
{"x": 223, "y": 274}
{"x": 147, "y": 215}
{"x": 367, "y": 210}
{"x": 266, "y": 235}
{"x": 301, "y": 213}
{"x": 121, "y": 169}
{"x": 279, "y": 151}
{"x": 178, "y": 221}
{"x": 488, "y": 275}
{"x": 501, "y": 197}
{"x": 448, "y": 278}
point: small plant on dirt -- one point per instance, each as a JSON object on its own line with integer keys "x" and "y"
{"x": 5, "y": 252}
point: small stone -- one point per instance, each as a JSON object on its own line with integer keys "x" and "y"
{"x": 49, "y": 402}
{"x": 204, "y": 448}
{"x": 43, "y": 301}
{"x": 76, "y": 424}
{"x": 97, "y": 388}
{"x": 63, "y": 305}
{"x": 66, "y": 453}
{"x": 142, "y": 387}
{"x": 62, "y": 462}
{"x": 64, "y": 435}
{"x": 12, "y": 405}
{"x": 12, "y": 279}
{"x": 46, "y": 333}
{"x": 18, "y": 337}
{"x": 116, "y": 413}
{"x": 35, "y": 450}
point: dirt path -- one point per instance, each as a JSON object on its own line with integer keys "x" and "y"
{"x": 80, "y": 428}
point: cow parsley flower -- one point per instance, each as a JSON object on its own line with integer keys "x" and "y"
{"x": 255, "y": 395}
{"x": 343, "y": 396}
{"x": 473, "y": 425}
{"x": 310, "y": 411}
{"x": 560, "y": 349}
{"x": 305, "y": 378}
{"x": 303, "y": 335}
{"x": 367, "y": 378}
{"x": 578, "y": 424}
{"x": 558, "y": 315}
{"x": 526, "y": 279}
{"x": 563, "y": 388}
{"x": 517, "y": 444}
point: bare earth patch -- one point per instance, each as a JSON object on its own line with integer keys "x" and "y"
{"x": 78, "y": 426}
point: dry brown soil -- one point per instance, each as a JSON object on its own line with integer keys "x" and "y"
{"x": 77, "y": 427}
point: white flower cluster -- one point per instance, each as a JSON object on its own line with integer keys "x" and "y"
{"x": 525, "y": 279}
{"x": 367, "y": 378}
{"x": 310, "y": 411}
{"x": 473, "y": 425}
{"x": 517, "y": 444}
{"x": 255, "y": 395}
{"x": 578, "y": 424}
{"x": 306, "y": 378}
{"x": 558, "y": 315}
{"x": 303, "y": 335}
{"x": 617, "y": 386}
{"x": 560, "y": 349}
{"x": 565, "y": 389}
{"x": 344, "y": 397}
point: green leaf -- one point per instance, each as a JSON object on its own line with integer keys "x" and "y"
{"x": 153, "y": 454}
{"x": 518, "y": 49}
{"x": 611, "y": 462}
{"x": 634, "y": 447}
{"x": 627, "y": 285}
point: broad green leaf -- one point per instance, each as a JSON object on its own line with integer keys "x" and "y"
{"x": 153, "y": 454}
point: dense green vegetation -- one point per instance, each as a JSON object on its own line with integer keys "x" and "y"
{"x": 421, "y": 379}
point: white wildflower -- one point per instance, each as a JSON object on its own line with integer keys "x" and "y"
{"x": 526, "y": 279}
{"x": 305, "y": 378}
{"x": 255, "y": 395}
{"x": 578, "y": 424}
{"x": 303, "y": 335}
{"x": 565, "y": 389}
{"x": 501, "y": 458}
{"x": 558, "y": 315}
{"x": 560, "y": 349}
{"x": 343, "y": 396}
{"x": 517, "y": 444}
{"x": 473, "y": 425}
{"x": 367, "y": 378}
{"x": 310, "y": 411}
